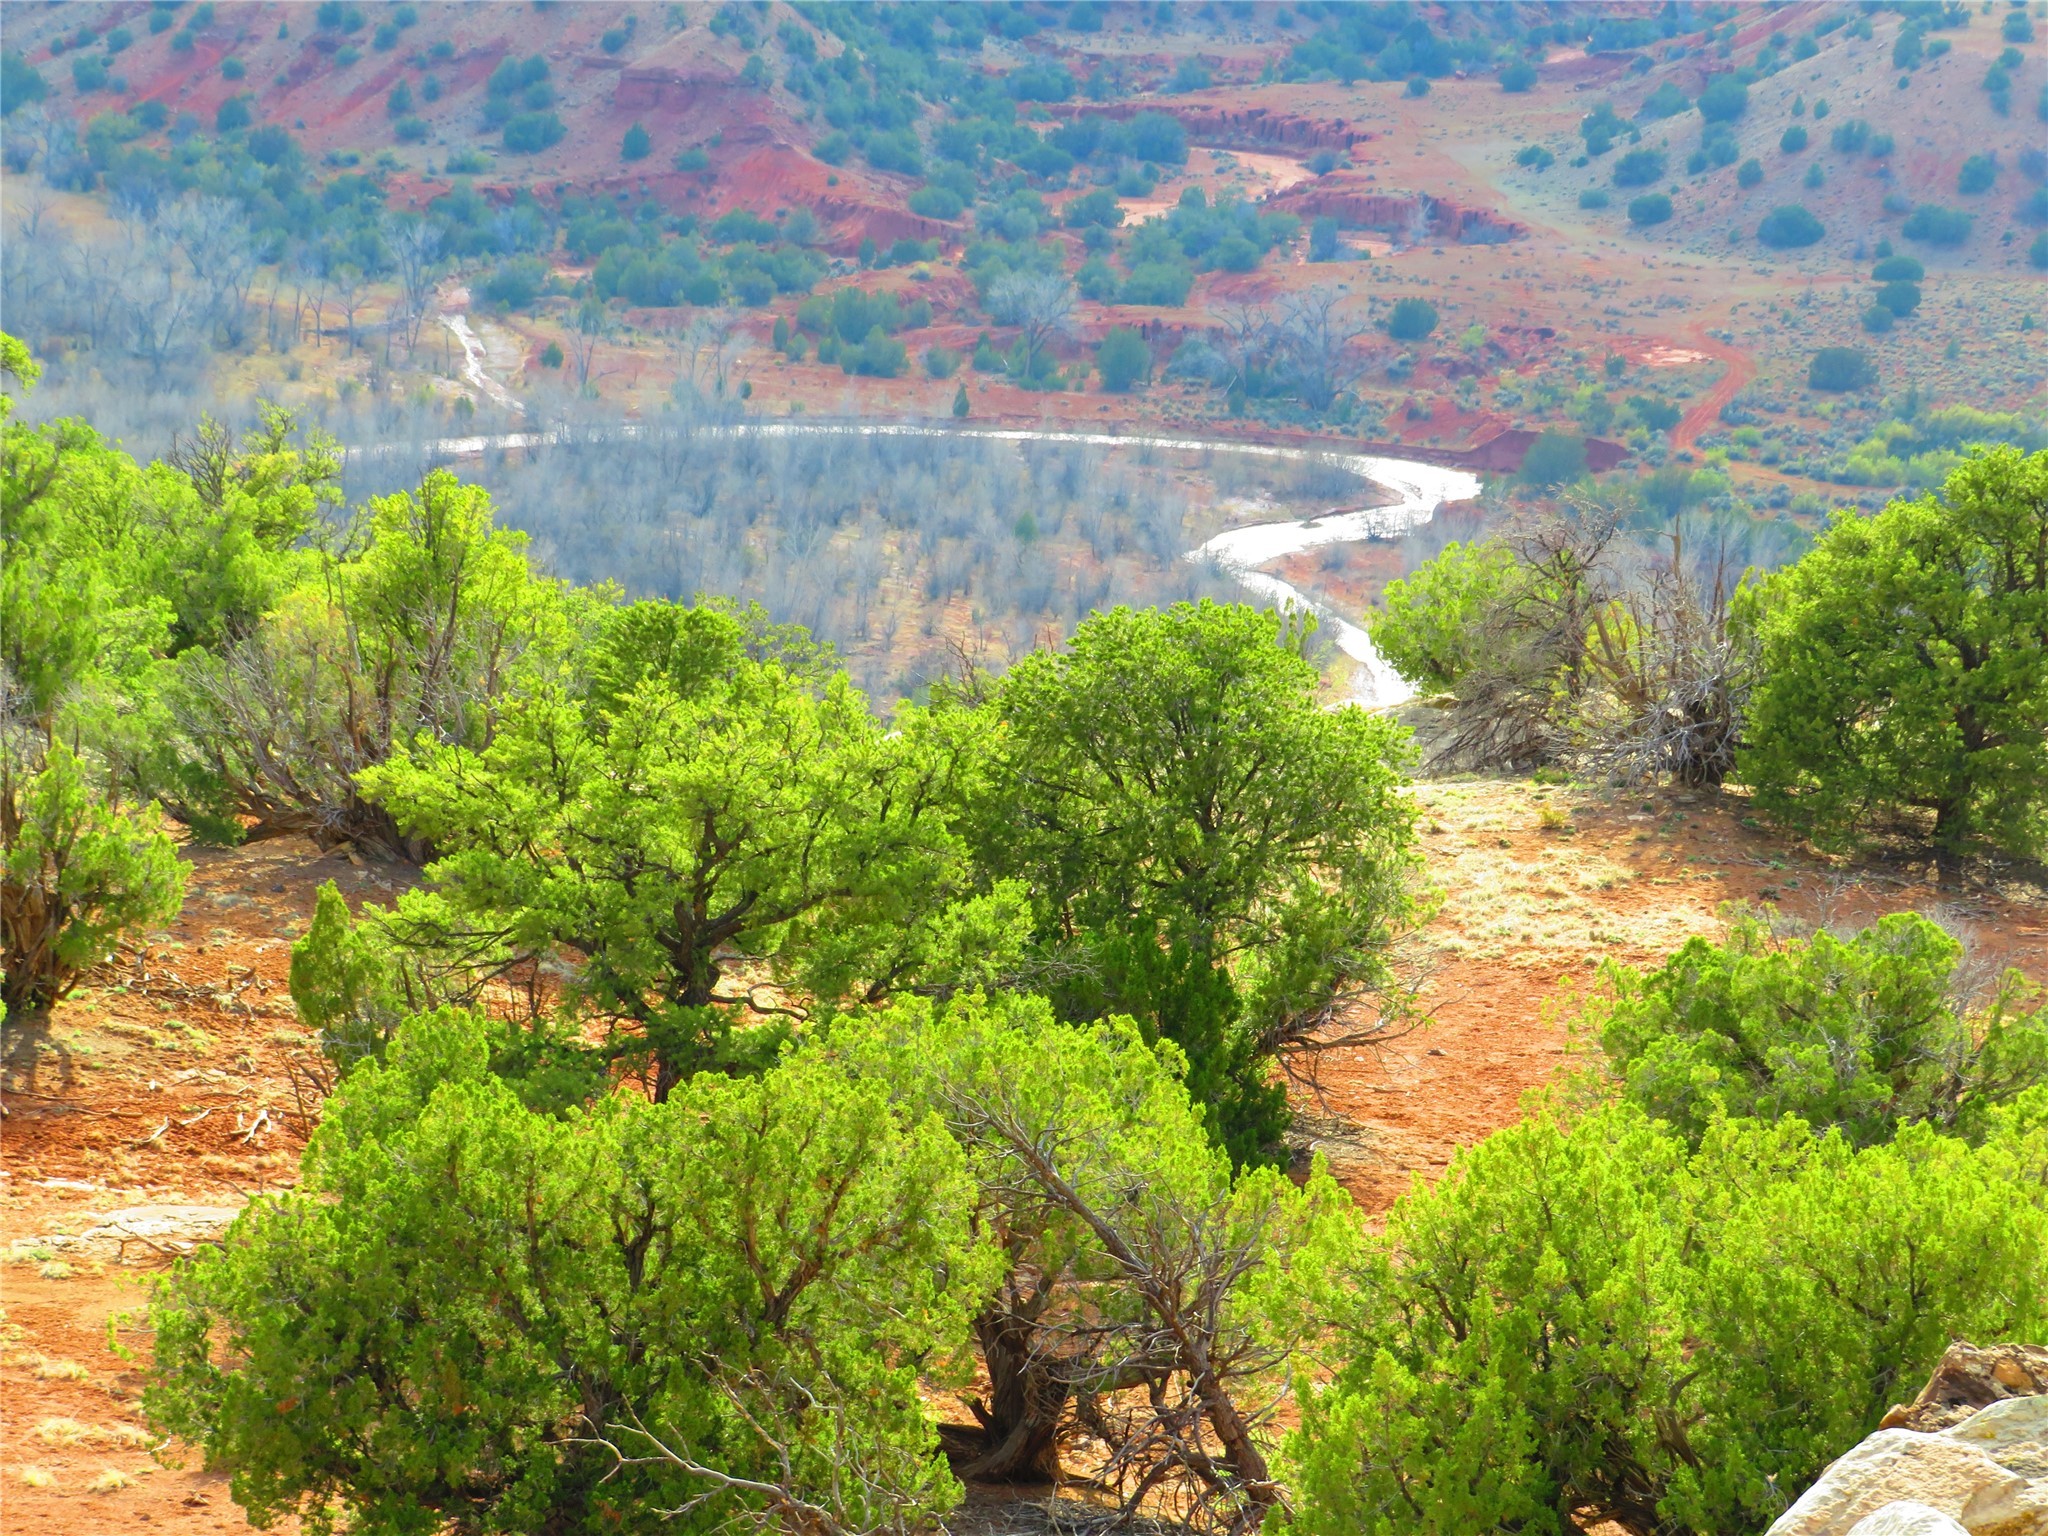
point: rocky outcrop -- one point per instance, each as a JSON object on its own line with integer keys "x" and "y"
{"x": 140, "y": 1234}
{"x": 1409, "y": 217}
{"x": 1970, "y": 1378}
{"x": 1978, "y": 1467}
{"x": 653, "y": 87}
{"x": 1502, "y": 454}
{"x": 1234, "y": 127}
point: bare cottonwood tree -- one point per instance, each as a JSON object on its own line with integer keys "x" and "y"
{"x": 56, "y": 137}
{"x": 593, "y": 324}
{"x": 350, "y": 290}
{"x": 1248, "y": 331}
{"x": 416, "y": 249}
{"x": 1039, "y": 304}
{"x": 1314, "y": 339}
{"x": 212, "y": 235}
{"x": 311, "y": 281}
{"x": 30, "y": 273}
{"x": 96, "y": 280}
{"x": 707, "y": 350}
{"x": 20, "y": 139}
{"x": 163, "y": 302}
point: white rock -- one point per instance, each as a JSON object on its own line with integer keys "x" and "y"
{"x": 145, "y": 1233}
{"x": 1944, "y": 1474}
{"x": 1997, "y": 1427}
{"x": 2015, "y": 1434}
{"x": 1906, "y": 1518}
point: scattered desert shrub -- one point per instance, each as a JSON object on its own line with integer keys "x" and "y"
{"x": 1789, "y": 226}
{"x": 1651, "y": 208}
{"x": 1123, "y": 359}
{"x": 1979, "y": 173}
{"x": 1937, "y": 225}
{"x": 1840, "y": 370}
{"x": 1724, "y": 100}
{"x": 1411, "y": 319}
{"x": 1639, "y": 168}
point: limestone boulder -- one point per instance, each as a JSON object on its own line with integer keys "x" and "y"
{"x": 1907, "y": 1518}
{"x": 1985, "y": 1475}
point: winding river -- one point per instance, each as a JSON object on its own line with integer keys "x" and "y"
{"x": 1418, "y": 490}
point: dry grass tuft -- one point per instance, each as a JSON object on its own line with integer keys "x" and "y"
{"x": 60, "y": 1370}
{"x": 70, "y": 1432}
{"x": 36, "y": 1477}
{"x": 110, "y": 1481}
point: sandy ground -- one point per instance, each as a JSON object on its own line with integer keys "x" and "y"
{"x": 172, "y": 1084}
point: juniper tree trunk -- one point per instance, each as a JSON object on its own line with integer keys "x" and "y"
{"x": 1020, "y": 1424}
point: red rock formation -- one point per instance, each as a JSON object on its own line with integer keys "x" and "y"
{"x": 1233, "y": 127}
{"x": 1503, "y": 453}
{"x": 652, "y": 87}
{"x": 1409, "y": 217}
{"x": 1968, "y": 1378}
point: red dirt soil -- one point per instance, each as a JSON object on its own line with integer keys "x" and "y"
{"x": 1705, "y": 413}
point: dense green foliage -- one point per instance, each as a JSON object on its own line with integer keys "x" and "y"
{"x": 1905, "y": 667}
{"x": 1979, "y": 173}
{"x": 1555, "y": 458}
{"x": 1936, "y": 225}
{"x": 747, "y": 1068}
{"x": 1584, "y": 1321}
{"x": 426, "y": 629}
{"x": 80, "y": 871}
{"x": 1123, "y": 359}
{"x": 1859, "y": 1035}
{"x": 1228, "y": 905}
{"x": 1132, "y": 1251}
{"x": 1895, "y": 678}
{"x": 1925, "y": 451}
{"x": 1725, "y": 99}
{"x": 736, "y": 1288}
{"x": 1650, "y": 208}
{"x": 1427, "y": 625}
{"x": 101, "y": 572}
{"x": 1639, "y": 168}
{"x": 706, "y": 795}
